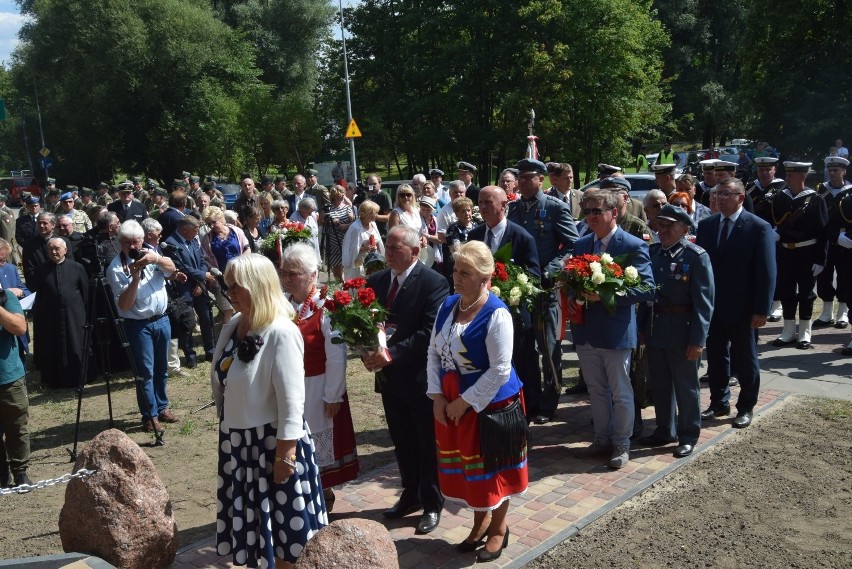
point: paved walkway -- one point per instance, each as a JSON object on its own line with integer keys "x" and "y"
{"x": 566, "y": 493}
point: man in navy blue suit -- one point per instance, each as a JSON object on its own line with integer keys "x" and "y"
{"x": 125, "y": 207}
{"x": 605, "y": 341}
{"x": 496, "y": 232}
{"x": 742, "y": 252}
{"x": 182, "y": 246}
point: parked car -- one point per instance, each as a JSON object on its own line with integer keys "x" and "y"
{"x": 23, "y": 183}
{"x": 230, "y": 192}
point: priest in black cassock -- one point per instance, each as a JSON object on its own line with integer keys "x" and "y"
{"x": 59, "y": 315}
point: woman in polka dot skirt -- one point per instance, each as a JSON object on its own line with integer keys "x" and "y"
{"x": 269, "y": 499}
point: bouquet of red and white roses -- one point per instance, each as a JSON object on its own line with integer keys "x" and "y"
{"x": 282, "y": 236}
{"x": 602, "y": 275}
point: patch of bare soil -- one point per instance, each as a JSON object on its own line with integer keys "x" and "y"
{"x": 778, "y": 494}
{"x": 186, "y": 464}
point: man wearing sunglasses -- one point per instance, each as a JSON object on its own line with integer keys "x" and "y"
{"x": 605, "y": 341}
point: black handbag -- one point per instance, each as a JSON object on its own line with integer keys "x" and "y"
{"x": 503, "y": 432}
{"x": 503, "y": 435}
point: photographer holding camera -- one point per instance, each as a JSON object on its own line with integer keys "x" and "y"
{"x": 137, "y": 279}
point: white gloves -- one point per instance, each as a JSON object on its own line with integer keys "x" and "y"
{"x": 844, "y": 241}
{"x": 817, "y": 269}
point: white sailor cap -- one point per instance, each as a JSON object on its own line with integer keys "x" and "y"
{"x": 709, "y": 164}
{"x": 766, "y": 161}
{"x": 663, "y": 168}
{"x": 836, "y": 161}
{"x": 791, "y": 166}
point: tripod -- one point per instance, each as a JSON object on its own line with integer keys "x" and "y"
{"x": 99, "y": 293}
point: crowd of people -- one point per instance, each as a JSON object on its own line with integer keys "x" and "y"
{"x": 461, "y": 381}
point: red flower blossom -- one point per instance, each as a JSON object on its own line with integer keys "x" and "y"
{"x": 342, "y": 297}
{"x": 329, "y": 305}
{"x": 357, "y": 282}
{"x": 366, "y": 296}
{"x": 500, "y": 272}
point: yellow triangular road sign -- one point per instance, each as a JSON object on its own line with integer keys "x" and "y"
{"x": 352, "y": 131}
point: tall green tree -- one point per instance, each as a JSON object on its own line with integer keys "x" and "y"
{"x": 440, "y": 82}
{"x": 796, "y": 60}
{"x": 136, "y": 85}
{"x": 703, "y": 66}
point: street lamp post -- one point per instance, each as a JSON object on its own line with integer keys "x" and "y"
{"x": 352, "y": 161}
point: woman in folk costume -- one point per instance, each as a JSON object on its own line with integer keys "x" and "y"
{"x": 480, "y": 425}
{"x": 326, "y": 403}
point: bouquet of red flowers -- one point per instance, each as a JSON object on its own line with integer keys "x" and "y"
{"x": 357, "y": 316}
{"x": 513, "y": 284}
{"x": 282, "y": 236}
{"x": 603, "y": 275}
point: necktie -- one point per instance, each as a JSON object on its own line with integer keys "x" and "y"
{"x": 599, "y": 246}
{"x": 723, "y": 237}
{"x": 489, "y": 239}
{"x": 392, "y": 293}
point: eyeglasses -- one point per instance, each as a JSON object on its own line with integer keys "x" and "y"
{"x": 724, "y": 194}
{"x": 406, "y": 195}
{"x": 292, "y": 274}
{"x": 595, "y": 211}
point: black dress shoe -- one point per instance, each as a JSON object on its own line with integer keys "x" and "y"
{"x": 774, "y": 319}
{"x": 484, "y": 555}
{"x": 402, "y": 509}
{"x": 779, "y": 343}
{"x": 823, "y": 323}
{"x": 542, "y": 419}
{"x": 713, "y": 412}
{"x": 428, "y": 521}
{"x": 682, "y": 450}
{"x": 842, "y": 324}
{"x": 191, "y": 361}
{"x": 743, "y": 420}
{"x": 733, "y": 381}
{"x": 578, "y": 389}
{"x": 652, "y": 441}
{"x": 847, "y": 351}
{"x": 803, "y": 345}
{"x": 208, "y": 357}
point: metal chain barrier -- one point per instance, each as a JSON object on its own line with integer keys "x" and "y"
{"x": 65, "y": 478}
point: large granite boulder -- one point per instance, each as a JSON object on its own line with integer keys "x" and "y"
{"x": 352, "y": 543}
{"x": 122, "y": 513}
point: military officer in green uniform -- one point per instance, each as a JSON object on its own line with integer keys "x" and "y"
{"x": 674, "y": 330}
{"x": 102, "y": 197}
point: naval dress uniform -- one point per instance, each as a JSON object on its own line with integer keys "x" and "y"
{"x": 799, "y": 221}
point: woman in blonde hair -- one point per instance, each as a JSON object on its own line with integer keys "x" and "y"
{"x": 269, "y": 497}
{"x": 480, "y": 425}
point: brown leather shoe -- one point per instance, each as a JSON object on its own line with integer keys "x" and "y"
{"x": 167, "y": 416}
